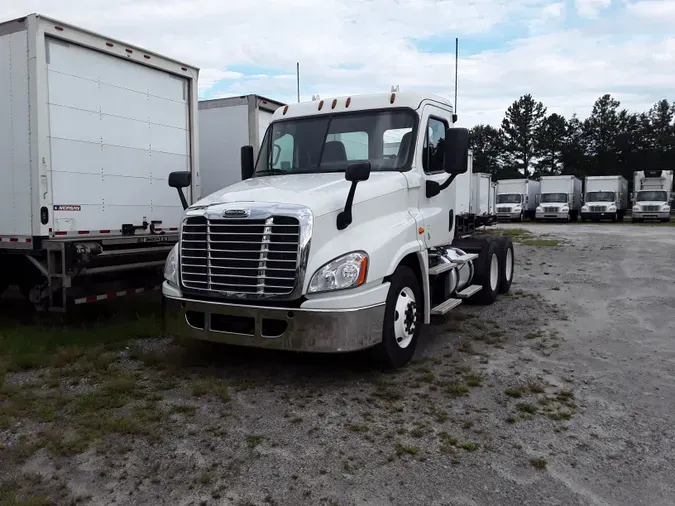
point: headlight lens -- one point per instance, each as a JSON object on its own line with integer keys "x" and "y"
{"x": 666, "y": 207}
{"x": 611, "y": 208}
{"x": 564, "y": 209}
{"x": 347, "y": 271}
{"x": 584, "y": 208}
{"x": 171, "y": 266}
{"x": 636, "y": 208}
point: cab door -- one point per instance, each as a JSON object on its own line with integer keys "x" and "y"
{"x": 435, "y": 211}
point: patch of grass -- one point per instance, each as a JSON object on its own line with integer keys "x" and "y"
{"x": 253, "y": 440}
{"x": 513, "y": 233}
{"x": 469, "y": 446}
{"x": 417, "y": 433}
{"x": 516, "y": 393}
{"x": 442, "y": 416}
{"x": 474, "y": 380}
{"x": 467, "y": 425}
{"x": 512, "y": 419}
{"x": 387, "y": 390}
{"x": 539, "y": 243}
{"x": 466, "y": 348}
{"x": 184, "y": 409}
{"x": 356, "y": 427}
{"x": 297, "y": 419}
{"x": 532, "y": 335}
{"x": 565, "y": 395}
{"x": 538, "y": 463}
{"x": 560, "y": 415}
{"x": 535, "y": 388}
{"x": 456, "y": 390}
{"x": 214, "y": 386}
{"x": 402, "y": 449}
{"x": 205, "y": 479}
{"x": 526, "y": 407}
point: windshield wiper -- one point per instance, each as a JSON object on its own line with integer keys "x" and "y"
{"x": 271, "y": 172}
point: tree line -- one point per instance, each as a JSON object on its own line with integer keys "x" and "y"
{"x": 611, "y": 141}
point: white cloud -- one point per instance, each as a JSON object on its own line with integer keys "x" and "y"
{"x": 352, "y": 46}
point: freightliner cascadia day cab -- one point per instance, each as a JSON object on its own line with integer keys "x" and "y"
{"x": 606, "y": 198}
{"x": 339, "y": 238}
{"x": 225, "y": 125}
{"x": 516, "y": 199}
{"x": 90, "y": 129}
{"x": 559, "y": 198}
{"x": 652, "y": 193}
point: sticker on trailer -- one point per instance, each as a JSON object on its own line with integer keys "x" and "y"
{"x": 67, "y": 207}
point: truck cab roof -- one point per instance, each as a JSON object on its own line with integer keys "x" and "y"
{"x": 369, "y": 101}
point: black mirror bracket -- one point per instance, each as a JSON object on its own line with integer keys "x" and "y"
{"x": 182, "y": 198}
{"x": 434, "y": 188}
{"x": 344, "y": 219}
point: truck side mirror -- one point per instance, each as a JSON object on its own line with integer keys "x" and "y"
{"x": 354, "y": 173}
{"x": 247, "y": 163}
{"x": 456, "y": 150}
{"x": 179, "y": 180}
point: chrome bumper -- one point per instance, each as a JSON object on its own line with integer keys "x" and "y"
{"x": 508, "y": 216}
{"x": 651, "y": 215}
{"x": 313, "y": 330}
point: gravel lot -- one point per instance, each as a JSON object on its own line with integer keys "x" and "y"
{"x": 558, "y": 394}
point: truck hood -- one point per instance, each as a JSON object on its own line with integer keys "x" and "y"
{"x": 322, "y": 193}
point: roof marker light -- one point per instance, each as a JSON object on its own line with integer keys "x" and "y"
{"x": 184, "y": 69}
{"x": 59, "y": 28}
{"x": 349, "y": 101}
{"x": 129, "y": 51}
{"x": 285, "y": 109}
{"x": 392, "y": 98}
{"x": 146, "y": 56}
{"x": 109, "y": 44}
{"x": 320, "y": 105}
{"x": 334, "y": 103}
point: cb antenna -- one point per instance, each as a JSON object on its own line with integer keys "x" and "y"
{"x": 297, "y": 77}
{"x": 454, "y": 116}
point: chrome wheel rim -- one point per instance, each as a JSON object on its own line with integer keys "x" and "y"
{"x": 405, "y": 317}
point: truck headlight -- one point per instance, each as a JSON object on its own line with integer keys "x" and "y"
{"x": 584, "y": 209}
{"x": 665, "y": 207}
{"x": 636, "y": 208}
{"x": 347, "y": 271}
{"x": 611, "y": 208}
{"x": 564, "y": 209}
{"x": 171, "y": 266}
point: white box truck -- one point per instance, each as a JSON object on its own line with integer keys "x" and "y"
{"x": 516, "y": 199}
{"x": 559, "y": 198}
{"x": 652, "y": 195}
{"x": 91, "y": 127}
{"x": 334, "y": 241}
{"x": 606, "y": 197}
{"x": 225, "y": 125}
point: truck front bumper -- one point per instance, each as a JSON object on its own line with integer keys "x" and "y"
{"x": 651, "y": 215}
{"x": 509, "y": 216}
{"x": 541, "y": 215}
{"x": 599, "y": 216}
{"x": 297, "y": 329}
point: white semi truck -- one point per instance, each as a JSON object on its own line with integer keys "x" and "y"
{"x": 225, "y": 125}
{"x": 90, "y": 128}
{"x": 333, "y": 241}
{"x": 559, "y": 198}
{"x": 516, "y": 199}
{"x": 606, "y": 198}
{"x": 652, "y": 195}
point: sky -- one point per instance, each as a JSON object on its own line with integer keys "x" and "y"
{"x": 565, "y": 53}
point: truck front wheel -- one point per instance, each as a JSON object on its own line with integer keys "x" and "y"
{"x": 403, "y": 319}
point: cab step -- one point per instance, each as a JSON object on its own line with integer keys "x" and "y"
{"x": 441, "y": 268}
{"x": 465, "y": 258}
{"x": 446, "y": 306}
{"x": 469, "y": 291}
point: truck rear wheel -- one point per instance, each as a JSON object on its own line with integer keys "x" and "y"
{"x": 487, "y": 267}
{"x": 506, "y": 263}
{"x": 403, "y": 319}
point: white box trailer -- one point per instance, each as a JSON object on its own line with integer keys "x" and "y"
{"x": 91, "y": 128}
{"x": 652, "y": 195}
{"x": 493, "y": 199}
{"x": 559, "y": 198}
{"x": 516, "y": 198}
{"x": 225, "y": 125}
{"x": 481, "y": 185}
{"x": 606, "y": 197}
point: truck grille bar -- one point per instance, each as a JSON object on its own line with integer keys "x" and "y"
{"x": 650, "y": 208}
{"x": 242, "y": 257}
{"x": 597, "y": 209}
{"x": 550, "y": 209}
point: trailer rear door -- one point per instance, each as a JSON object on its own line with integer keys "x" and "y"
{"x": 117, "y": 129}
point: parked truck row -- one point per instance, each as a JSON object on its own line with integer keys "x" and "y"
{"x": 565, "y": 198}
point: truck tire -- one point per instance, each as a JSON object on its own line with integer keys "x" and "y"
{"x": 403, "y": 318}
{"x": 507, "y": 262}
{"x": 487, "y": 250}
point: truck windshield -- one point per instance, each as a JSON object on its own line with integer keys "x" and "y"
{"x": 509, "y": 198}
{"x": 554, "y": 197}
{"x": 329, "y": 143}
{"x": 652, "y": 196}
{"x": 600, "y": 197}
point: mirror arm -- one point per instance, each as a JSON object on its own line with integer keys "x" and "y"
{"x": 183, "y": 200}
{"x": 433, "y": 188}
{"x": 344, "y": 219}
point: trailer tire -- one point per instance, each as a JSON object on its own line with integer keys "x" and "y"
{"x": 507, "y": 262}
{"x": 403, "y": 319}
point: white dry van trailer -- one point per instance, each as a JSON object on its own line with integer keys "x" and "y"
{"x": 334, "y": 241}
{"x": 559, "y": 198}
{"x": 91, "y": 127}
{"x": 493, "y": 200}
{"x": 481, "y": 186}
{"x": 225, "y": 125}
{"x": 652, "y": 193}
{"x": 606, "y": 197}
{"x": 516, "y": 199}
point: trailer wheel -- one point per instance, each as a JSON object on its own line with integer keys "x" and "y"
{"x": 507, "y": 262}
{"x": 403, "y": 319}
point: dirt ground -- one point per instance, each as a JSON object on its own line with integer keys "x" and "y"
{"x": 560, "y": 393}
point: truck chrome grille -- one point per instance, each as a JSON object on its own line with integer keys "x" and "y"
{"x": 240, "y": 256}
{"x": 550, "y": 209}
{"x": 597, "y": 209}
{"x": 503, "y": 209}
{"x": 650, "y": 208}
